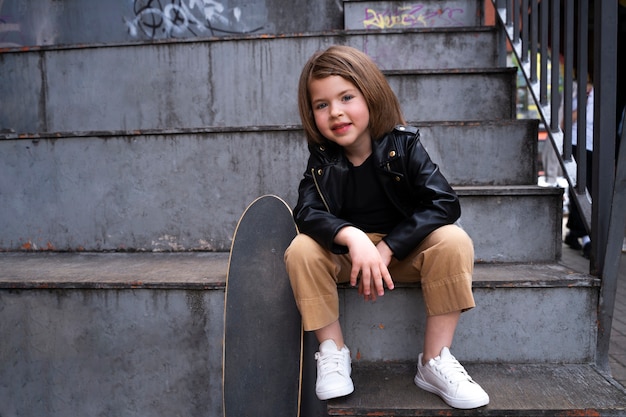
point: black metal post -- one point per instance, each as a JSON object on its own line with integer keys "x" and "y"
{"x": 543, "y": 82}
{"x": 525, "y": 30}
{"x": 604, "y": 126}
{"x": 582, "y": 67}
{"x": 534, "y": 40}
{"x": 554, "y": 81}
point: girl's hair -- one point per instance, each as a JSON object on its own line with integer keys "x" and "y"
{"x": 357, "y": 68}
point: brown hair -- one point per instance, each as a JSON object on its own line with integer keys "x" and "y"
{"x": 358, "y": 68}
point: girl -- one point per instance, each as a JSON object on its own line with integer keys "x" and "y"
{"x": 373, "y": 209}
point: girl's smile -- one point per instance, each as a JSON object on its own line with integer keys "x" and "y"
{"x": 340, "y": 127}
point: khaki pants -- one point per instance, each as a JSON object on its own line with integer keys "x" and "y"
{"x": 443, "y": 263}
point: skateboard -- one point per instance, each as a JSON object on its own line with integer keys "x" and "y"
{"x": 263, "y": 338}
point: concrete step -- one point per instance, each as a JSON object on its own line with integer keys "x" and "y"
{"x": 111, "y": 334}
{"x": 126, "y": 21}
{"x": 378, "y": 15}
{"x": 498, "y": 152}
{"x": 94, "y": 22}
{"x": 513, "y": 223}
{"x": 514, "y": 390}
{"x": 145, "y": 329}
{"x": 123, "y": 192}
{"x": 189, "y": 84}
{"x": 456, "y": 95}
{"x": 545, "y": 311}
{"x": 525, "y": 313}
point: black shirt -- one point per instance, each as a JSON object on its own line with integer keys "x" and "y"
{"x": 365, "y": 203}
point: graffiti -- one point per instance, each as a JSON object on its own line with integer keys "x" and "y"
{"x": 182, "y": 18}
{"x": 411, "y": 17}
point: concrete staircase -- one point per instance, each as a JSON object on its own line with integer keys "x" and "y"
{"x": 124, "y": 168}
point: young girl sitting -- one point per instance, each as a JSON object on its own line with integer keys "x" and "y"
{"x": 373, "y": 209}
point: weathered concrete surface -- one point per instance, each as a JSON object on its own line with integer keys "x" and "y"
{"x": 507, "y": 159}
{"x": 455, "y": 95}
{"x": 113, "y": 270}
{"x": 140, "y": 334}
{"x": 379, "y": 15}
{"x": 181, "y": 192}
{"x": 515, "y": 325}
{"x": 50, "y": 22}
{"x": 387, "y": 389}
{"x": 186, "y": 191}
{"x": 199, "y": 84}
{"x": 158, "y": 352}
{"x": 513, "y": 224}
{"x": 111, "y": 352}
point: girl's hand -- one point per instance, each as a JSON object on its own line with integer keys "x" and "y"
{"x": 368, "y": 261}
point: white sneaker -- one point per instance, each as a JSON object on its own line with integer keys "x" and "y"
{"x": 446, "y": 377}
{"x": 333, "y": 371}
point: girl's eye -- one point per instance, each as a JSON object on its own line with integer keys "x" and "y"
{"x": 347, "y": 97}
{"x": 320, "y": 106}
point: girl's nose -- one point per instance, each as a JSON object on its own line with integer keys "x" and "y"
{"x": 336, "y": 111}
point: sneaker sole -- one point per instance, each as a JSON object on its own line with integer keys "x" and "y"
{"x": 451, "y": 401}
{"x": 335, "y": 393}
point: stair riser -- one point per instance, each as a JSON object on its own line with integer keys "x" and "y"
{"x": 500, "y": 153}
{"x": 163, "y": 86}
{"x": 183, "y": 192}
{"x": 456, "y": 96}
{"x": 111, "y": 353}
{"x": 151, "y": 349}
{"x": 45, "y": 22}
{"x": 121, "y": 21}
{"x": 514, "y": 228}
{"x": 403, "y": 14}
{"x": 186, "y": 192}
{"x": 516, "y": 325}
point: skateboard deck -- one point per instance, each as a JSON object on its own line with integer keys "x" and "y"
{"x": 262, "y": 326}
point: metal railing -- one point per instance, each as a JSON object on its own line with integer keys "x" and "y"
{"x": 561, "y": 33}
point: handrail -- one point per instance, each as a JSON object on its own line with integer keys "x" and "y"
{"x": 562, "y": 27}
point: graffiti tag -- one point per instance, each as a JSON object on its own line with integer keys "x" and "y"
{"x": 411, "y": 17}
{"x": 181, "y": 18}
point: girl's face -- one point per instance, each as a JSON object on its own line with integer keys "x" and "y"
{"x": 341, "y": 115}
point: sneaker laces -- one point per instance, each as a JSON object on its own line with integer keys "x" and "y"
{"x": 450, "y": 369}
{"x": 330, "y": 362}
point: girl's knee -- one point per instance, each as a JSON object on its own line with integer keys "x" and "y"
{"x": 460, "y": 238}
{"x": 306, "y": 258}
{"x": 453, "y": 238}
{"x": 301, "y": 247}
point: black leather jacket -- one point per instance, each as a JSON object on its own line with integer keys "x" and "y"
{"x": 411, "y": 180}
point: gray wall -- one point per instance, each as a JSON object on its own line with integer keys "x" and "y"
{"x": 234, "y": 82}
{"x": 154, "y": 192}
{"x": 53, "y": 22}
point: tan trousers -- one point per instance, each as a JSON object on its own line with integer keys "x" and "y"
{"x": 443, "y": 263}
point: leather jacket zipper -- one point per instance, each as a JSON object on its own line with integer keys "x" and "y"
{"x": 319, "y": 191}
